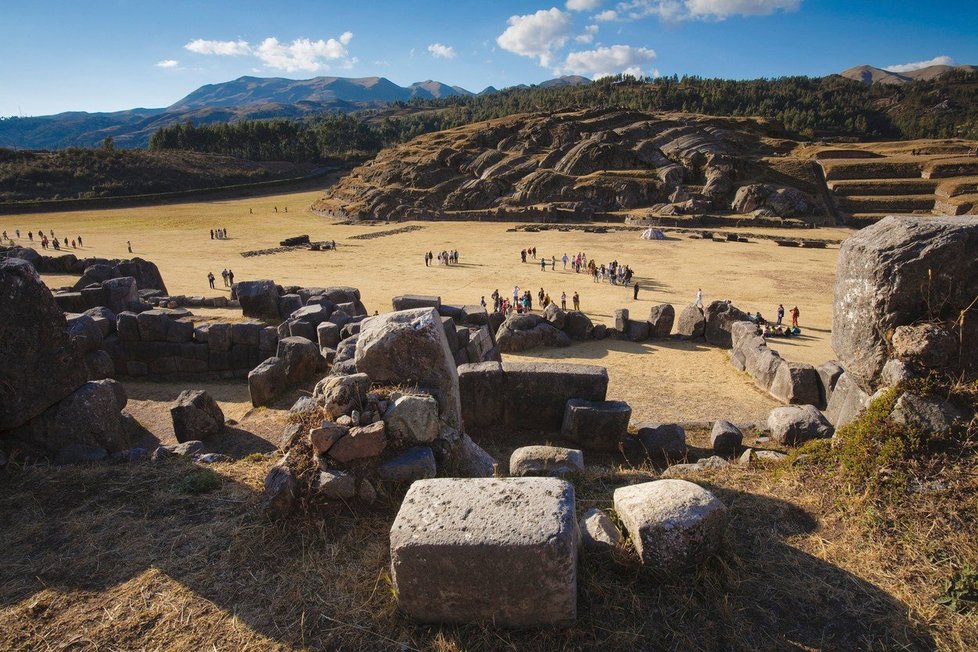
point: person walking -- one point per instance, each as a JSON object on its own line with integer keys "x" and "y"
{"x": 129, "y": 246}
{"x": 780, "y": 314}
{"x": 699, "y": 299}
{"x": 563, "y": 301}
{"x": 577, "y": 301}
{"x": 564, "y": 260}
{"x": 543, "y": 265}
{"x": 80, "y": 242}
{"x": 210, "y": 279}
{"x": 427, "y": 261}
{"x": 224, "y": 275}
{"x": 635, "y": 293}
{"x": 230, "y": 278}
{"x": 794, "y": 316}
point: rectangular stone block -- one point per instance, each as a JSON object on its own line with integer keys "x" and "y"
{"x": 536, "y": 393}
{"x": 475, "y": 550}
{"x": 219, "y": 337}
{"x": 480, "y": 386}
{"x": 596, "y": 425}
{"x": 411, "y": 301}
{"x": 245, "y": 333}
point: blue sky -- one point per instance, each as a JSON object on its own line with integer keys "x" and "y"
{"x": 106, "y": 55}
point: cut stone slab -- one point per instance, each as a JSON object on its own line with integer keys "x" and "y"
{"x": 673, "y": 523}
{"x": 487, "y": 550}
{"x": 666, "y": 440}
{"x": 796, "y": 383}
{"x": 596, "y": 425}
{"x": 550, "y": 461}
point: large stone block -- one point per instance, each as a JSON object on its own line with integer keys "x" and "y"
{"x": 414, "y": 301}
{"x": 536, "y": 394}
{"x": 40, "y": 366}
{"x": 196, "y": 416}
{"x": 481, "y": 391}
{"x": 720, "y": 318}
{"x": 796, "y": 383}
{"x": 673, "y": 523}
{"x": 847, "y": 402}
{"x": 596, "y": 425}
{"x": 692, "y": 322}
{"x": 661, "y": 319}
{"x": 257, "y": 298}
{"x": 302, "y": 359}
{"x": 409, "y": 347}
{"x": 828, "y": 376}
{"x": 545, "y": 461}
{"x": 795, "y": 424}
{"x": 266, "y": 381}
{"x": 502, "y": 551}
{"x": 900, "y": 271}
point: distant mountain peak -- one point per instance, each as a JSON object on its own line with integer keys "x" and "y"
{"x": 870, "y": 75}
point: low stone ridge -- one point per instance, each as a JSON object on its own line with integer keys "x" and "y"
{"x": 596, "y": 425}
{"x": 546, "y": 461}
{"x": 196, "y": 416}
{"x": 884, "y": 275}
{"x": 487, "y": 550}
{"x": 672, "y": 523}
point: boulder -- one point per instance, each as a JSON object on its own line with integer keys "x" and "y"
{"x": 328, "y": 335}
{"x": 796, "y": 383}
{"x": 84, "y": 333}
{"x": 692, "y": 322}
{"x": 41, "y": 366}
{"x": 549, "y": 461}
{"x": 638, "y": 331}
{"x": 577, "y": 325}
{"x": 415, "y": 463}
{"x": 884, "y": 277}
{"x": 661, "y": 319}
{"x": 555, "y": 316}
{"x": 145, "y": 273}
{"x": 500, "y": 551}
{"x": 596, "y": 425}
{"x": 924, "y": 346}
{"x": 672, "y": 523}
{"x": 332, "y": 484}
{"x": 725, "y": 438}
{"x": 410, "y": 348}
{"x": 266, "y": 381}
{"x": 712, "y": 463}
{"x": 280, "y": 492}
{"x": 481, "y": 388}
{"x": 257, "y": 298}
{"x": 927, "y": 414}
{"x": 414, "y": 301}
{"x": 621, "y": 320}
{"x": 762, "y": 365}
{"x": 895, "y": 372}
{"x": 659, "y": 441}
{"x": 359, "y": 443}
{"x": 471, "y": 461}
{"x": 120, "y": 294}
{"x": 413, "y": 419}
{"x": 288, "y": 304}
{"x": 341, "y": 395}
{"x": 720, "y": 317}
{"x": 795, "y": 424}
{"x": 598, "y": 532}
{"x": 847, "y": 402}
{"x": 301, "y": 357}
{"x": 196, "y": 416}
{"x": 99, "y": 365}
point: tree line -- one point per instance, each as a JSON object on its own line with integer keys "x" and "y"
{"x": 809, "y": 108}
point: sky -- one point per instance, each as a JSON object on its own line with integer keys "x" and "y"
{"x": 109, "y": 55}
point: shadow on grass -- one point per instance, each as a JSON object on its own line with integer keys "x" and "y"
{"x": 127, "y": 541}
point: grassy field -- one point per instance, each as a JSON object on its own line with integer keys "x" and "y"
{"x": 172, "y": 557}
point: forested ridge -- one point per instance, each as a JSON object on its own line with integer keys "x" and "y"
{"x": 830, "y": 107}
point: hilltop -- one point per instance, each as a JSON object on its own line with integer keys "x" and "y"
{"x": 871, "y": 75}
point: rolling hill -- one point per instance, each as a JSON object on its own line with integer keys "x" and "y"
{"x": 870, "y": 75}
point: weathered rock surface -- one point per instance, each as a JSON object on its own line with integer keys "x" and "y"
{"x": 927, "y": 414}
{"x": 795, "y": 424}
{"x": 340, "y": 395}
{"x": 672, "y": 523}
{"x": 258, "y": 298}
{"x": 847, "y": 402}
{"x": 359, "y": 443}
{"x": 659, "y": 441}
{"x": 828, "y": 375}
{"x": 796, "y": 383}
{"x": 884, "y": 275}
{"x": 725, "y": 438}
{"x": 266, "y": 381}
{"x": 487, "y": 550}
{"x": 415, "y": 463}
{"x": 596, "y": 425}
{"x": 661, "y": 319}
{"x": 598, "y": 532}
{"x": 281, "y": 491}
{"x": 720, "y": 317}
{"x": 196, "y": 416}
{"x": 413, "y": 419}
{"x": 692, "y": 322}
{"x": 780, "y": 202}
{"x": 551, "y": 461}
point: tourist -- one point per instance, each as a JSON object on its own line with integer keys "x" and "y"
{"x": 540, "y": 295}
{"x": 129, "y": 246}
{"x": 427, "y": 261}
{"x": 482, "y": 301}
{"x": 794, "y": 316}
{"x": 543, "y": 265}
{"x": 699, "y": 299}
{"x": 212, "y": 234}
{"x": 516, "y": 293}
{"x": 224, "y": 275}
{"x": 577, "y": 301}
{"x": 73, "y": 245}
{"x": 547, "y": 300}
{"x": 18, "y": 233}
{"x": 635, "y": 293}
{"x": 230, "y": 278}
{"x": 80, "y": 242}
{"x": 534, "y": 252}
{"x": 564, "y": 260}
{"x": 210, "y": 279}
{"x": 30, "y": 236}
{"x": 780, "y": 314}
{"x": 563, "y": 301}
{"x": 523, "y": 255}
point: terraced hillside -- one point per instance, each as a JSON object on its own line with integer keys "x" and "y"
{"x": 871, "y": 181}
{"x": 580, "y": 164}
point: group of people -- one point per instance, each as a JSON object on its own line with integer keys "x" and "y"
{"x": 46, "y": 243}
{"x": 778, "y": 328}
{"x": 227, "y": 275}
{"x": 444, "y": 258}
{"x": 522, "y": 301}
{"x": 219, "y": 234}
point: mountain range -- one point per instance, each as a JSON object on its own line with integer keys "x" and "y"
{"x": 254, "y": 98}
{"x": 245, "y": 98}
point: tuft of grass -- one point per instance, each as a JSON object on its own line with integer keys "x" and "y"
{"x": 200, "y": 481}
{"x": 961, "y": 590}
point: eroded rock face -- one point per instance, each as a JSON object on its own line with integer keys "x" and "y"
{"x": 795, "y": 424}
{"x": 258, "y": 298}
{"x": 692, "y": 322}
{"x": 547, "y": 162}
{"x": 196, "y": 416}
{"x": 781, "y": 202}
{"x": 900, "y": 271}
{"x": 40, "y": 364}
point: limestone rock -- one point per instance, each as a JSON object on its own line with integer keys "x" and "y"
{"x": 335, "y": 485}
{"x": 795, "y": 424}
{"x": 796, "y": 383}
{"x": 487, "y": 550}
{"x": 725, "y": 438}
{"x": 924, "y": 346}
{"x": 596, "y": 425}
{"x": 359, "y": 443}
{"x": 341, "y": 395}
{"x": 257, "y": 298}
{"x": 828, "y": 375}
{"x": 847, "y": 402}
{"x": 666, "y": 440}
{"x": 598, "y": 532}
{"x": 927, "y": 414}
{"x": 471, "y": 461}
{"x": 266, "y": 381}
{"x": 692, "y": 322}
{"x": 550, "y": 461}
{"x": 673, "y": 523}
{"x": 301, "y": 357}
{"x": 720, "y": 317}
{"x": 661, "y": 319}
{"x": 415, "y": 463}
{"x": 413, "y": 418}
{"x": 323, "y": 437}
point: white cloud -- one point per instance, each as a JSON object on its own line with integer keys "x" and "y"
{"x": 536, "y": 35}
{"x": 703, "y": 9}
{"x": 607, "y": 16}
{"x": 300, "y": 55}
{"x": 223, "y": 48}
{"x": 917, "y": 65}
{"x": 588, "y": 34}
{"x": 167, "y": 63}
{"x": 602, "y": 62}
{"x": 440, "y": 51}
{"x": 583, "y": 5}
